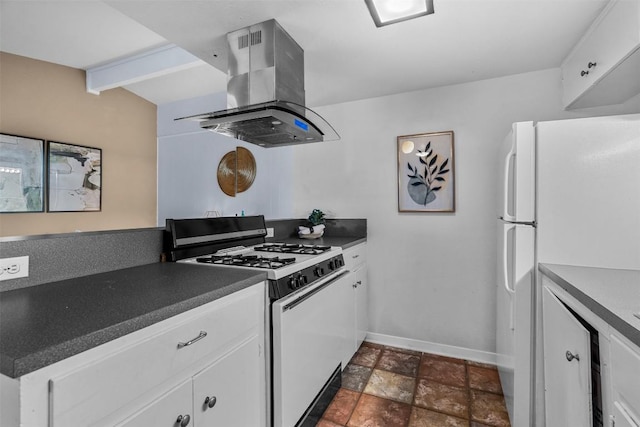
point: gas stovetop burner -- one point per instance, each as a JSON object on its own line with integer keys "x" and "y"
{"x": 247, "y": 261}
{"x": 292, "y": 248}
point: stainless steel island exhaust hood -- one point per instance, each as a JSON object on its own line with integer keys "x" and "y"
{"x": 265, "y": 91}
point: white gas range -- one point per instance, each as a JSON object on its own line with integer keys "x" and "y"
{"x": 307, "y": 286}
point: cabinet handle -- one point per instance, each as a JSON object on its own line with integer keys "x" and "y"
{"x": 198, "y": 338}
{"x": 358, "y": 283}
{"x": 183, "y": 420}
{"x": 355, "y": 256}
{"x": 571, "y": 356}
{"x": 583, "y": 73}
{"x": 592, "y": 64}
{"x": 210, "y": 401}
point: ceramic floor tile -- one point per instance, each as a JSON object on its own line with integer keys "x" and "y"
{"x": 366, "y": 356}
{"x": 402, "y": 350}
{"x": 372, "y": 411}
{"x": 327, "y": 423}
{"x": 390, "y": 385}
{"x": 425, "y": 418}
{"x": 355, "y": 377}
{"x": 481, "y": 365}
{"x": 445, "y": 358}
{"x": 400, "y": 363}
{"x": 341, "y": 406}
{"x": 442, "y": 398}
{"x": 484, "y": 379}
{"x": 489, "y": 408}
{"x": 443, "y": 371}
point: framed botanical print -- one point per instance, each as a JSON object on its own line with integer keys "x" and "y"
{"x": 426, "y": 172}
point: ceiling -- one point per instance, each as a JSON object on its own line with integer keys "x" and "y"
{"x": 346, "y": 57}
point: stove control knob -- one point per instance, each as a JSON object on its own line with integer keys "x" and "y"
{"x": 302, "y": 280}
{"x": 317, "y": 271}
{"x": 293, "y": 283}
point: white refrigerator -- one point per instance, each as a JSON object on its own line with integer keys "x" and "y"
{"x": 570, "y": 194}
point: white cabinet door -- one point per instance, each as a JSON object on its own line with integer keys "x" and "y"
{"x": 567, "y": 365}
{"x": 361, "y": 305}
{"x": 228, "y": 393}
{"x": 349, "y": 317}
{"x": 166, "y": 410}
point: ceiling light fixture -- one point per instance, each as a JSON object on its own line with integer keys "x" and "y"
{"x": 386, "y": 12}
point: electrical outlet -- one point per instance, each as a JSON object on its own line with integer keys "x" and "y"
{"x": 269, "y": 232}
{"x": 13, "y": 268}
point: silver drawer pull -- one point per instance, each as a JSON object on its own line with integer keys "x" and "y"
{"x": 355, "y": 256}
{"x": 198, "y": 338}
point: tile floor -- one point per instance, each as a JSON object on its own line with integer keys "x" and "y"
{"x": 392, "y": 387}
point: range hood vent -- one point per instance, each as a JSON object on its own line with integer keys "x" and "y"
{"x": 265, "y": 91}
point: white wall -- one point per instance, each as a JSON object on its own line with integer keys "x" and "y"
{"x": 431, "y": 275}
{"x": 188, "y": 159}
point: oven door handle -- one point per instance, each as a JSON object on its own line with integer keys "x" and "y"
{"x": 302, "y": 298}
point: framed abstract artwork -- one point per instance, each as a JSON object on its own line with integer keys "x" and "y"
{"x": 75, "y": 178}
{"x": 426, "y": 172}
{"x": 21, "y": 174}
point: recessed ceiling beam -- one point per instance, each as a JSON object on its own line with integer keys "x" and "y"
{"x": 146, "y": 65}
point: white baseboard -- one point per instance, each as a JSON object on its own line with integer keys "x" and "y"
{"x": 433, "y": 348}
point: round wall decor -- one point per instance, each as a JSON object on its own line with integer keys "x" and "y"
{"x": 236, "y": 171}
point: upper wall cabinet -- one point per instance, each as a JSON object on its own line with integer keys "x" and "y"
{"x": 604, "y": 67}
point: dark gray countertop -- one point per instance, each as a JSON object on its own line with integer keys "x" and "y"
{"x": 613, "y": 295}
{"x": 44, "y": 324}
{"x": 344, "y": 242}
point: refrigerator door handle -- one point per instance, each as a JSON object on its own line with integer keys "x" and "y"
{"x": 507, "y": 162}
{"x": 505, "y": 258}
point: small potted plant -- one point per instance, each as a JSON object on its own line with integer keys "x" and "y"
{"x": 316, "y": 228}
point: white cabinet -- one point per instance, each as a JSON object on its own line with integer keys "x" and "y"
{"x": 567, "y": 365}
{"x": 149, "y": 377}
{"x": 625, "y": 382}
{"x": 355, "y": 259}
{"x": 227, "y": 393}
{"x": 604, "y": 66}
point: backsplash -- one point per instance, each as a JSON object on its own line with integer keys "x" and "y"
{"x": 63, "y": 256}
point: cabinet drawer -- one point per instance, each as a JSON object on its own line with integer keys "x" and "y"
{"x": 355, "y": 256}
{"x": 625, "y": 375}
{"x": 85, "y": 395}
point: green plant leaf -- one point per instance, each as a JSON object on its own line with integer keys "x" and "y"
{"x": 415, "y": 184}
{"x": 433, "y": 160}
{"x": 444, "y": 164}
{"x": 439, "y": 178}
{"x": 436, "y": 188}
{"x": 443, "y": 172}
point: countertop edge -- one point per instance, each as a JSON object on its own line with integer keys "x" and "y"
{"x": 614, "y": 320}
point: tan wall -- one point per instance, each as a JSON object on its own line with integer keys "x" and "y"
{"x": 47, "y": 101}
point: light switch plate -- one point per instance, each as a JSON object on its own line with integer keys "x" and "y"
{"x": 14, "y": 268}
{"x": 269, "y": 232}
